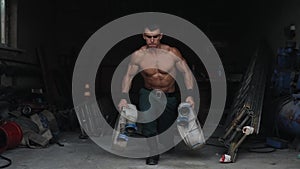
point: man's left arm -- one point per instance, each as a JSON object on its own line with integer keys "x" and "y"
{"x": 183, "y": 67}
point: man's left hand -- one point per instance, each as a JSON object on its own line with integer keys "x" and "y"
{"x": 190, "y": 100}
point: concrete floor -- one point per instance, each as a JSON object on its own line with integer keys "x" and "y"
{"x": 85, "y": 154}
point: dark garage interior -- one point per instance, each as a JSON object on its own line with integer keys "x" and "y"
{"x": 257, "y": 43}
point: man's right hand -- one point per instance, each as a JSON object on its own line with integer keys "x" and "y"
{"x": 122, "y": 103}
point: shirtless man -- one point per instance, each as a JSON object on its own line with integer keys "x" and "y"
{"x": 157, "y": 63}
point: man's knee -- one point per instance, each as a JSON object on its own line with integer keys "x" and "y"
{"x": 149, "y": 132}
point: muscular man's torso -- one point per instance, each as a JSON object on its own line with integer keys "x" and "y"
{"x": 157, "y": 67}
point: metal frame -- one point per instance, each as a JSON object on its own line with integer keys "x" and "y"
{"x": 247, "y": 107}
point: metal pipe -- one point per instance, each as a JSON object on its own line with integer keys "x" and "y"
{"x": 3, "y": 21}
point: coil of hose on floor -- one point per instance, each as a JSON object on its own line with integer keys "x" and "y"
{"x": 6, "y": 159}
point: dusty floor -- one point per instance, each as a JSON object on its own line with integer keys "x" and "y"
{"x": 85, "y": 154}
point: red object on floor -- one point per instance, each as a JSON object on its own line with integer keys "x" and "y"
{"x": 10, "y": 135}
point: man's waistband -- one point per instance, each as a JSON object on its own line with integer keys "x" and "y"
{"x": 158, "y": 93}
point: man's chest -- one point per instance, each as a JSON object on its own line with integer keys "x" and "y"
{"x": 164, "y": 63}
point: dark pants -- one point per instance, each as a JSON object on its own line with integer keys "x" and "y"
{"x": 163, "y": 122}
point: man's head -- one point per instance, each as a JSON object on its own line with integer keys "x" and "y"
{"x": 152, "y": 35}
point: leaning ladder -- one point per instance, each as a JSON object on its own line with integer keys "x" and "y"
{"x": 247, "y": 106}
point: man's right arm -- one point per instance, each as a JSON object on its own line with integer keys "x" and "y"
{"x": 132, "y": 70}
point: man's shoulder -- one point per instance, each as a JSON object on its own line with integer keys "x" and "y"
{"x": 169, "y": 48}
{"x": 136, "y": 55}
{"x": 139, "y": 51}
{"x": 142, "y": 48}
{"x": 165, "y": 47}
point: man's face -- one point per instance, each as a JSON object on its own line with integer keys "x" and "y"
{"x": 152, "y": 37}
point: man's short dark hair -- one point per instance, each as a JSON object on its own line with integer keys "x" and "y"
{"x": 152, "y": 27}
